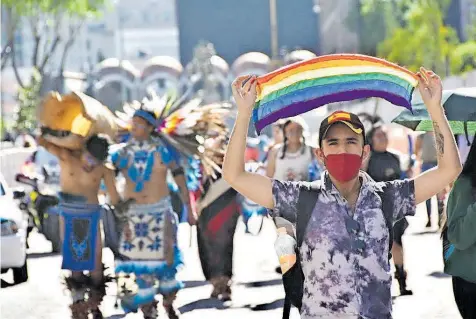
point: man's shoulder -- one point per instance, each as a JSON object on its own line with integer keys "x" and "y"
{"x": 294, "y": 192}
{"x": 380, "y": 188}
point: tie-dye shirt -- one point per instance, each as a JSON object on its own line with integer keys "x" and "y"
{"x": 343, "y": 279}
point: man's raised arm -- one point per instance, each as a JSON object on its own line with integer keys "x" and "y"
{"x": 449, "y": 164}
{"x": 60, "y": 152}
{"x": 179, "y": 177}
{"x": 255, "y": 187}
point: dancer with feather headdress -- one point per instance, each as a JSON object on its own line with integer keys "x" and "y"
{"x": 165, "y": 136}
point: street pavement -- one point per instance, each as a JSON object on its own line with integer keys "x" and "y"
{"x": 257, "y": 289}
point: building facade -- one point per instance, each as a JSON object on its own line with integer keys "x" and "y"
{"x": 461, "y": 16}
{"x": 238, "y": 27}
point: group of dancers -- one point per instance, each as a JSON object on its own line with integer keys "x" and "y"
{"x": 161, "y": 147}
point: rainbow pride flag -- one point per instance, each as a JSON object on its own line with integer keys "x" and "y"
{"x": 306, "y": 85}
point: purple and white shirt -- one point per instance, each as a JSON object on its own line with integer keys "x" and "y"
{"x": 344, "y": 254}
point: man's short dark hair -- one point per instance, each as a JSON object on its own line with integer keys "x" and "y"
{"x": 98, "y": 147}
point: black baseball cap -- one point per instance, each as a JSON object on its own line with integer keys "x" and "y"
{"x": 347, "y": 118}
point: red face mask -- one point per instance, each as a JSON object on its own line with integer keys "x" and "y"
{"x": 343, "y": 167}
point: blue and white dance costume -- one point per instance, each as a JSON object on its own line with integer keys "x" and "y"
{"x": 151, "y": 254}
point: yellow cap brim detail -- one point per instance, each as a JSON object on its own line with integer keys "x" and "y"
{"x": 356, "y": 130}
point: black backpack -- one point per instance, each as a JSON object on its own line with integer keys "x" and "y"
{"x": 293, "y": 279}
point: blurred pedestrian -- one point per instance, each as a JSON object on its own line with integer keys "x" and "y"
{"x": 425, "y": 151}
{"x": 460, "y": 234}
{"x": 290, "y": 160}
{"x": 384, "y": 166}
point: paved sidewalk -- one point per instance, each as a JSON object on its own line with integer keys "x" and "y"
{"x": 257, "y": 292}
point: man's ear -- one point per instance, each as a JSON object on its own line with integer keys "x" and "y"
{"x": 365, "y": 153}
{"x": 320, "y": 156}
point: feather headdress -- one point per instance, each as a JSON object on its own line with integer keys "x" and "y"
{"x": 190, "y": 128}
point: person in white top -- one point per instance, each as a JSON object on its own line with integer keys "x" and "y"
{"x": 290, "y": 160}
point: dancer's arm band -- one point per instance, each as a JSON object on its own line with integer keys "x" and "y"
{"x": 178, "y": 171}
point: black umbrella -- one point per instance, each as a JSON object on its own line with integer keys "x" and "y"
{"x": 460, "y": 109}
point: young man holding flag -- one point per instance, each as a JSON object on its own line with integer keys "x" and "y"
{"x": 344, "y": 255}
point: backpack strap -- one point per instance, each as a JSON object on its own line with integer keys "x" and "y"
{"x": 308, "y": 195}
{"x": 387, "y": 206}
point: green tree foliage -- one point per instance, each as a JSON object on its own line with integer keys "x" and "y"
{"x": 27, "y": 8}
{"x": 463, "y": 58}
{"x": 46, "y": 18}
{"x": 54, "y": 26}
{"x": 374, "y": 21}
{"x": 423, "y": 39}
{"x": 28, "y": 99}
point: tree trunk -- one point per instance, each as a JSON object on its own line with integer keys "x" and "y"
{"x": 6, "y": 54}
{"x": 10, "y": 24}
{"x": 14, "y": 66}
{"x": 7, "y": 49}
{"x": 48, "y": 54}
{"x": 73, "y": 31}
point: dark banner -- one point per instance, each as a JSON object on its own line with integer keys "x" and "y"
{"x": 216, "y": 229}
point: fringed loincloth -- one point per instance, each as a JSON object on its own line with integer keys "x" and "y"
{"x": 149, "y": 260}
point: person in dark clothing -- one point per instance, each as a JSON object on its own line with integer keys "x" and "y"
{"x": 218, "y": 210}
{"x": 460, "y": 256}
{"x": 384, "y": 166}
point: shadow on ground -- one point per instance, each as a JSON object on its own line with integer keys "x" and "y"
{"x": 203, "y": 304}
{"x": 212, "y": 303}
{"x": 267, "y": 306}
{"x": 254, "y": 284}
{"x": 195, "y": 283}
{"x": 425, "y": 232}
{"x": 439, "y": 274}
{"x": 257, "y": 284}
{"x": 42, "y": 255}
{"x": 218, "y": 304}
